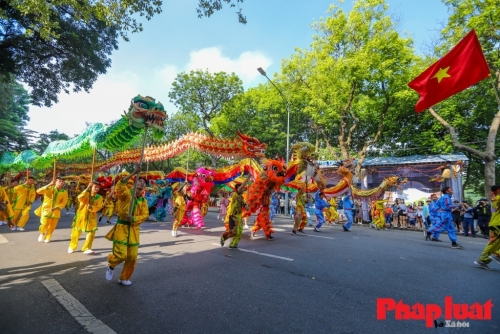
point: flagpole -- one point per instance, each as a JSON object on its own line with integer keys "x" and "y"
{"x": 131, "y": 208}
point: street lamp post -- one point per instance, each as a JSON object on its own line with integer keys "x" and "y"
{"x": 287, "y": 105}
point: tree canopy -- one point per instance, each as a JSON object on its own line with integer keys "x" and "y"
{"x": 14, "y": 102}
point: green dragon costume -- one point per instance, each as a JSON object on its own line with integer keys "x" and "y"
{"x": 144, "y": 111}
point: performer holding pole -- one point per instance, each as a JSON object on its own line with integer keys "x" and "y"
{"x": 132, "y": 210}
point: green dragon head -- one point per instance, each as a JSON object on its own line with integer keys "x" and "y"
{"x": 145, "y": 111}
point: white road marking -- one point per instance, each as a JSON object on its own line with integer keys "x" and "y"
{"x": 76, "y": 309}
{"x": 477, "y": 243}
{"x": 319, "y": 236}
{"x": 263, "y": 254}
{"x": 3, "y": 240}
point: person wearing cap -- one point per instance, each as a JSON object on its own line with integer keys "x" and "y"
{"x": 483, "y": 210}
{"x": 86, "y": 218}
{"x": 125, "y": 234}
{"x": 320, "y": 203}
{"x": 492, "y": 249}
{"x": 24, "y": 196}
{"x": 55, "y": 198}
{"x": 445, "y": 204}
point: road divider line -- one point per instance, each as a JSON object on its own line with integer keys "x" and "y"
{"x": 263, "y": 254}
{"x": 477, "y": 243}
{"x": 3, "y": 240}
{"x": 76, "y": 309}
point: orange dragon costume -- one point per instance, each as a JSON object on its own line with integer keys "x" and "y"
{"x": 259, "y": 195}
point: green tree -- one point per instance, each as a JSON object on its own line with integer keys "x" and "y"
{"x": 14, "y": 106}
{"x": 57, "y": 45}
{"x": 201, "y": 96}
{"x": 354, "y": 75}
{"x": 261, "y": 113}
{"x": 476, "y": 110}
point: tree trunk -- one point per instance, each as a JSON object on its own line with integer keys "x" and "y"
{"x": 488, "y": 156}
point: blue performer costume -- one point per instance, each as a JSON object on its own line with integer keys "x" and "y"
{"x": 445, "y": 204}
{"x": 348, "y": 212}
{"x": 275, "y": 203}
{"x": 320, "y": 203}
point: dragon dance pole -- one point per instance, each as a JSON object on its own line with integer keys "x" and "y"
{"x": 187, "y": 166}
{"x": 93, "y": 164}
{"x": 54, "y": 173}
{"x": 131, "y": 208}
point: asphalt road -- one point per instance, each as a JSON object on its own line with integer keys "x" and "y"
{"x": 325, "y": 282}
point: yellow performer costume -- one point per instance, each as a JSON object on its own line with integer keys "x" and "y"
{"x": 6, "y": 213}
{"x": 86, "y": 220}
{"x": 109, "y": 207}
{"x": 492, "y": 249}
{"x": 300, "y": 216}
{"x": 25, "y": 195}
{"x": 179, "y": 212}
{"x": 331, "y": 213}
{"x": 72, "y": 201}
{"x": 378, "y": 214}
{"x": 125, "y": 234}
{"x": 54, "y": 200}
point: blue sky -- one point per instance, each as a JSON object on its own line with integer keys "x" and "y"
{"x": 177, "y": 40}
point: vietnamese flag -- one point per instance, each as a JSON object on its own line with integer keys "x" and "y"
{"x": 460, "y": 68}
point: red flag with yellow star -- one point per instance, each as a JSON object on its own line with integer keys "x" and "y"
{"x": 460, "y": 68}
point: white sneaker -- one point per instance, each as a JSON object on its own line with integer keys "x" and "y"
{"x": 174, "y": 234}
{"x": 70, "y": 251}
{"x": 47, "y": 241}
{"x": 88, "y": 251}
{"x": 246, "y": 227}
{"x": 13, "y": 228}
{"x": 124, "y": 282}
{"x": 109, "y": 274}
{"x": 3, "y": 223}
{"x": 40, "y": 238}
{"x": 20, "y": 229}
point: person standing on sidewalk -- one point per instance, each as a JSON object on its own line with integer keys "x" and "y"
{"x": 468, "y": 220}
{"x": 483, "y": 210}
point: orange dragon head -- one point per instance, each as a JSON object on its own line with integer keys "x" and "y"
{"x": 275, "y": 171}
{"x": 252, "y": 147}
